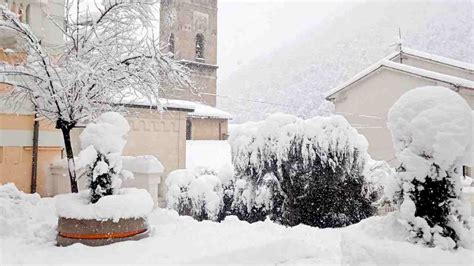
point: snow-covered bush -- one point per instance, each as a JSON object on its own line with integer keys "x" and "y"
{"x": 254, "y": 201}
{"x": 206, "y": 197}
{"x": 102, "y": 143}
{"x": 178, "y": 182}
{"x": 313, "y": 169}
{"x": 202, "y": 193}
{"x": 226, "y": 176}
{"x": 378, "y": 175}
{"x": 432, "y": 134}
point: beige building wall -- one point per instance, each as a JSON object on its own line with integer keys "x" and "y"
{"x": 16, "y": 123}
{"x": 209, "y": 129}
{"x": 435, "y": 66}
{"x": 161, "y": 134}
{"x": 366, "y": 103}
{"x": 16, "y": 141}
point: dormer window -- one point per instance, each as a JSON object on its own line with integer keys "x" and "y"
{"x": 199, "y": 47}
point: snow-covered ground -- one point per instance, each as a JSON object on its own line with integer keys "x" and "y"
{"x": 27, "y": 235}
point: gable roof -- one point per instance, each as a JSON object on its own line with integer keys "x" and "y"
{"x": 436, "y": 58}
{"x": 388, "y": 64}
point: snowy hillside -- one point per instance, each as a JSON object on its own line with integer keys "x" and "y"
{"x": 293, "y": 78}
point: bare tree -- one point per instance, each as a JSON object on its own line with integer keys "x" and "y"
{"x": 111, "y": 54}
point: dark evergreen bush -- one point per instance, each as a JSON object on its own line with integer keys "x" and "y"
{"x": 100, "y": 178}
{"x": 316, "y": 180}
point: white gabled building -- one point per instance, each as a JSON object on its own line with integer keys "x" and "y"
{"x": 366, "y": 98}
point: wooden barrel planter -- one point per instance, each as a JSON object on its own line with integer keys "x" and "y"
{"x": 93, "y": 232}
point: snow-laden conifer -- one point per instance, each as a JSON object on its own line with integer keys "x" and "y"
{"x": 432, "y": 134}
{"x": 102, "y": 142}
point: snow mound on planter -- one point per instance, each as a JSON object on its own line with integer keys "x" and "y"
{"x": 127, "y": 203}
{"x": 438, "y": 127}
{"x": 26, "y": 216}
{"x": 106, "y": 133}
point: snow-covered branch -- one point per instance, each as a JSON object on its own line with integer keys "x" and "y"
{"x": 110, "y": 55}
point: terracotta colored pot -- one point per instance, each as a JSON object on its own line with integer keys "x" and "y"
{"x": 99, "y": 233}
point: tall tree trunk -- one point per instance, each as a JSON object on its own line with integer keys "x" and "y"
{"x": 71, "y": 166}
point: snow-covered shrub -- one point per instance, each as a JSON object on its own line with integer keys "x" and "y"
{"x": 206, "y": 197}
{"x": 316, "y": 168}
{"x": 226, "y": 176}
{"x": 178, "y": 182}
{"x": 254, "y": 201}
{"x": 102, "y": 143}
{"x": 377, "y": 175}
{"x": 203, "y": 194}
{"x": 432, "y": 131}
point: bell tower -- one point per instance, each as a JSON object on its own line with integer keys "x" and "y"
{"x": 188, "y": 29}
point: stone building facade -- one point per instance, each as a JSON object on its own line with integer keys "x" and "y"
{"x": 188, "y": 29}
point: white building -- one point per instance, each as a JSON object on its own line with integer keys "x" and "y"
{"x": 366, "y": 98}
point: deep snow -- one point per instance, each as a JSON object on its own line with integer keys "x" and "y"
{"x": 30, "y": 232}
{"x": 207, "y": 154}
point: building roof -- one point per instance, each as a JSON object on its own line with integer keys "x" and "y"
{"x": 388, "y": 64}
{"x": 201, "y": 110}
{"x": 194, "y": 109}
{"x": 436, "y": 58}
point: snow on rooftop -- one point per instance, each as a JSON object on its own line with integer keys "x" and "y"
{"x": 437, "y": 58}
{"x": 200, "y": 109}
{"x": 387, "y": 63}
{"x": 430, "y": 74}
{"x": 197, "y": 109}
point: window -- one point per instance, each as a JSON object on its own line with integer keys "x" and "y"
{"x": 21, "y": 12}
{"x": 27, "y": 14}
{"x": 466, "y": 171}
{"x": 200, "y": 46}
{"x": 189, "y": 129}
{"x": 171, "y": 43}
